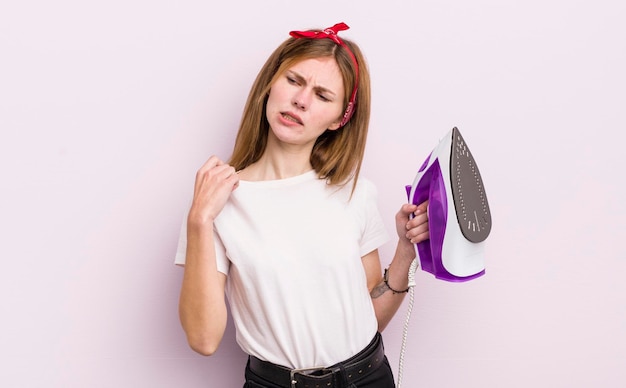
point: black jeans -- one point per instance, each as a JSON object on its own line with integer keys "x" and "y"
{"x": 379, "y": 378}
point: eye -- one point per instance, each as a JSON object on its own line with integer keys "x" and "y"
{"x": 292, "y": 80}
{"x": 322, "y": 97}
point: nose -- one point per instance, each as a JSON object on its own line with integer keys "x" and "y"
{"x": 301, "y": 100}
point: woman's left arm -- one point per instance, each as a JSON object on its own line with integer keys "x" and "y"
{"x": 410, "y": 231}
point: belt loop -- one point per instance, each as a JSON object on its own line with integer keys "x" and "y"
{"x": 344, "y": 378}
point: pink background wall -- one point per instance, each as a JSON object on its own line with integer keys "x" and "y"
{"x": 108, "y": 108}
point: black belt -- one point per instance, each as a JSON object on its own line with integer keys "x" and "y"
{"x": 348, "y": 372}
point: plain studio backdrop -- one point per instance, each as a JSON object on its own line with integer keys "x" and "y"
{"x": 107, "y": 109}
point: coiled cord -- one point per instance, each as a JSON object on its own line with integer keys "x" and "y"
{"x": 405, "y": 331}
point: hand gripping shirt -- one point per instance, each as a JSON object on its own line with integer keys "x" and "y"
{"x": 292, "y": 249}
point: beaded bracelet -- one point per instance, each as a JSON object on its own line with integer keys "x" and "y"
{"x": 386, "y": 280}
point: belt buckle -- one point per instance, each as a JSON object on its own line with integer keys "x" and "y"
{"x": 293, "y": 372}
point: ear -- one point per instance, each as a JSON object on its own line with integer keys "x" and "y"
{"x": 336, "y": 125}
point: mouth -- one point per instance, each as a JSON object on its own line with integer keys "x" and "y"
{"x": 291, "y": 118}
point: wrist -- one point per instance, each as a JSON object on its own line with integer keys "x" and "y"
{"x": 394, "y": 290}
{"x": 199, "y": 219}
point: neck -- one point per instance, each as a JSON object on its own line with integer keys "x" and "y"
{"x": 271, "y": 167}
{"x": 279, "y": 162}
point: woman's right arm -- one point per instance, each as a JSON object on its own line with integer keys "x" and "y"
{"x": 202, "y": 306}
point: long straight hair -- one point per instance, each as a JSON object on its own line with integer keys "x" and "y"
{"x": 337, "y": 155}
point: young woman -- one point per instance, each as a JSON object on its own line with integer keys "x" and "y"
{"x": 290, "y": 234}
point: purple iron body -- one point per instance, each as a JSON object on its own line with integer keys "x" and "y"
{"x": 458, "y": 211}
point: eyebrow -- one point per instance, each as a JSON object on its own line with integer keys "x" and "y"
{"x": 301, "y": 79}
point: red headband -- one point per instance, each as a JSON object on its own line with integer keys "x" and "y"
{"x": 331, "y": 33}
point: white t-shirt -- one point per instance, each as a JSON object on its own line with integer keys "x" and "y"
{"x": 292, "y": 251}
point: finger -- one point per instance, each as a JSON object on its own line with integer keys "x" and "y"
{"x": 211, "y": 162}
{"x": 226, "y": 171}
{"x": 420, "y": 237}
{"x": 418, "y": 230}
{"x": 422, "y": 208}
{"x": 407, "y": 209}
{"x": 417, "y": 220}
{"x": 233, "y": 179}
{"x": 214, "y": 175}
{"x": 208, "y": 165}
{"x": 218, "y": 172}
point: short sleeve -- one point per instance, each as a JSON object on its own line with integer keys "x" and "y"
{"x": 374, "y": 233}
{"x": 181, "y": 249}
{"x": 223, "y": 264}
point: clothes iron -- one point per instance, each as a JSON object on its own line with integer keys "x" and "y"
{"x": 459, "y": 217}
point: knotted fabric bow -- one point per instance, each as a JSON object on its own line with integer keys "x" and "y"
{"x": 331, "y": 33}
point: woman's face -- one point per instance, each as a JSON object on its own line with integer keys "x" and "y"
{"x": 305, "y": 101}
